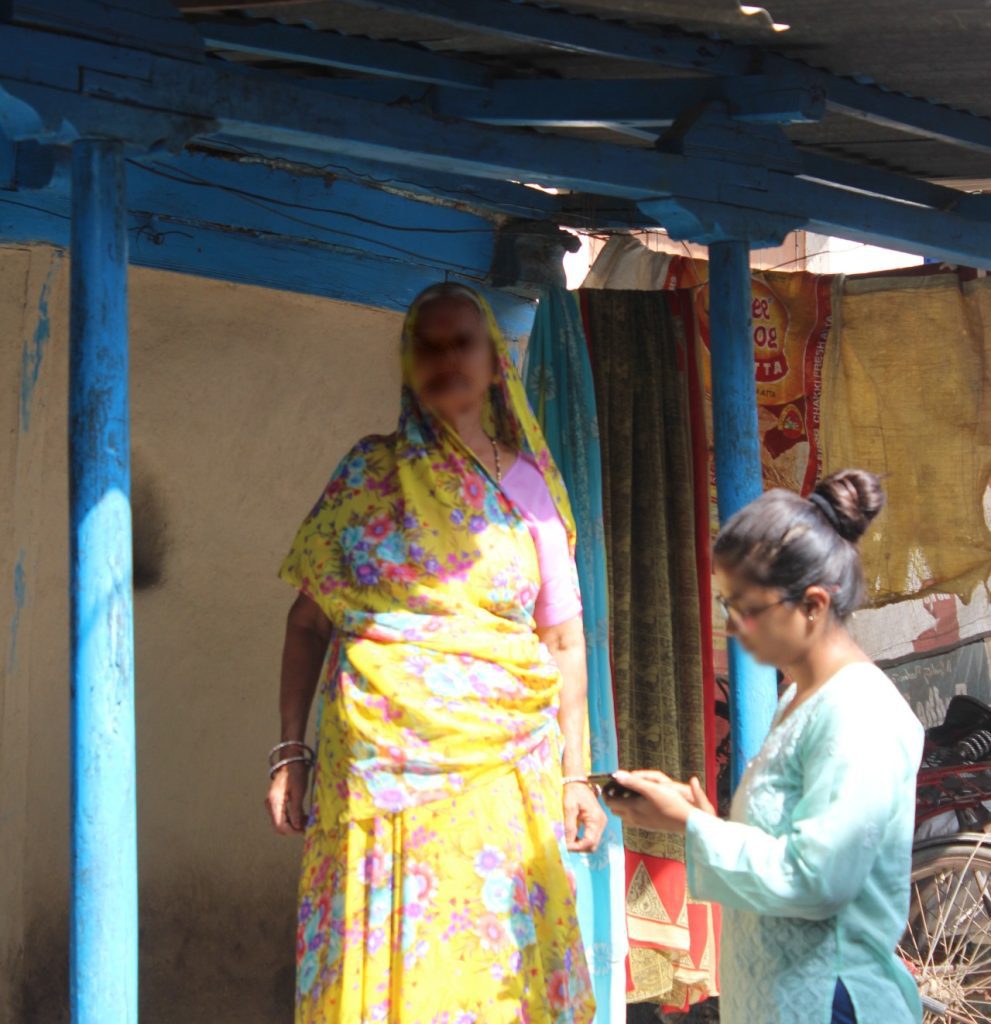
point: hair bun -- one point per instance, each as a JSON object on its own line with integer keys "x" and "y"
{"x": 856, "y": 497}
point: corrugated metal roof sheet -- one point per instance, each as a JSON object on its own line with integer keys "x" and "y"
{"x": 936, "y": 51}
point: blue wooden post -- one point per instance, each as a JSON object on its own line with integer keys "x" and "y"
{"x": 104, "y": 919}
{"x": 753, "y": 694}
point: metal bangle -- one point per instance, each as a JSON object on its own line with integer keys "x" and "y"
{"x": 569, "y": 779}
{"x": 288, "y": 760}
{"x": 310, "y": 752}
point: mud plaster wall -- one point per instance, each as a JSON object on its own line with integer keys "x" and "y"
{"x": 243, "y": 399}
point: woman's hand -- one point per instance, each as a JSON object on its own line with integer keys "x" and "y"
{"x": 582, "y": 811}
{"x": 699, "y": 799}
{"x": 692, "y": 790}
{"x": 285, "y": 799}
{"x": 663, "y": 804}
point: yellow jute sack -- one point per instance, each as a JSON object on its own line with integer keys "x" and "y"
{"x": 907, "y": 394}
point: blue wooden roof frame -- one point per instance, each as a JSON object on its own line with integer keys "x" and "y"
{"x": 441, "y": 129}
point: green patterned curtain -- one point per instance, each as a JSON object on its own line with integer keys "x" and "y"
{"x": 637, "y": 349}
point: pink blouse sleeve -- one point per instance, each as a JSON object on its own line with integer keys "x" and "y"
{"x": 559, "y": 598}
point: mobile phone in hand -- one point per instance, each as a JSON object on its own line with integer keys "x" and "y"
{"x": 611, "y": 789}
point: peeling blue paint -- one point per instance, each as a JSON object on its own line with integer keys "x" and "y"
{"x": 20, "y": 599}
{"x": 34, "y": 351}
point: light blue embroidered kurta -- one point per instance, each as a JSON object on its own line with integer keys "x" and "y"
{"x": 812, "y": 869}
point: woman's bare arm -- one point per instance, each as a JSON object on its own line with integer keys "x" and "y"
{"x": 566, "y": 643}
{"x": 308, "y": 633}
{"x": 307, "y": 637}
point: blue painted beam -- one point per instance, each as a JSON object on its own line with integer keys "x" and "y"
{"x": 481, "y": 197}
{"x": 318, "y": 208}
{"x": 963, "y": 237}
{"x": 906, "y": 113}
{"x": 167, "y": 98}
{"x": 253, "y": 197}
{"x": 793, "y": 202}
{"x": 270, "y": 261}
{"x": 878, "y": 182}
{"x": 104, "y": 913}
{"x": 753, "y": 694}
{"x": 414, "y": 139}
{"x": 705, "y": 222}
{"x": 453, "y": 189}
{"x": 288, "y": 265}
{"x": 332, "y": 49}
{"x": 630, "y": 101}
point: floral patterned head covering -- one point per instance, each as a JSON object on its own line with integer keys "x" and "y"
{"x": 507, "y": 414}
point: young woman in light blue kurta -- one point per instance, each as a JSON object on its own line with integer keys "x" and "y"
{"x": 812, "y": 869}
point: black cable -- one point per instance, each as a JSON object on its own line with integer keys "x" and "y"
{"x": 190, "y": 179}
{"x": 37, "y": 209}
{"x": 336, "y": 232}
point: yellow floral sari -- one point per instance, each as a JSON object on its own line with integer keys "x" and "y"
{"x": 434, "y": 887}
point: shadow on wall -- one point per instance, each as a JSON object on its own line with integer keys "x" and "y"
{"x": 149, "y": 526}
{"x": 182, "y": 979}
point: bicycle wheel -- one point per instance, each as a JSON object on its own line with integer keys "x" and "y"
{"x": 947, "y": 944}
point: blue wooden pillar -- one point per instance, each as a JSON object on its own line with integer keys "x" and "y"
{"x": 104, "y": 919}
{"x": 753, "y": 693}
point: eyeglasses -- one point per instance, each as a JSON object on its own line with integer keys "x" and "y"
{"x": 745, "y": 619}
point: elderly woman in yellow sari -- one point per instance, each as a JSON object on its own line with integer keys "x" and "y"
{"x": 437, "y": 592}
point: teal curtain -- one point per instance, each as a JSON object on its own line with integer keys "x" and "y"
{"x": 561, "y": 390}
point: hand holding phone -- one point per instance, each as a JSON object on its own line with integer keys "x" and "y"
{"x": 611, "y": 789}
